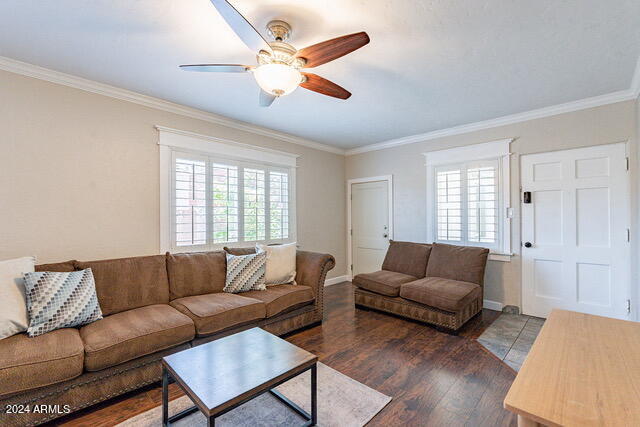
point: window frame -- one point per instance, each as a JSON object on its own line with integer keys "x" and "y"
{"x": 466, "y": 156}
{"x": 174, "y": 143}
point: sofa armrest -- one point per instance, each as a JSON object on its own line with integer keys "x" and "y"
{"x": 311, "y": 270}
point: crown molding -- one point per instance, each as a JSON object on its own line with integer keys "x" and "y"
{"x": 41, "y": 73}
{"x": 635, "y": 81}
{"x": 58, "y": 77}
{"x": 554, "y": 110}
{"x": 611, "y": 98}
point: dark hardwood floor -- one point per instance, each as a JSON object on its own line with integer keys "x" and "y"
{"x": 435, "y": 379}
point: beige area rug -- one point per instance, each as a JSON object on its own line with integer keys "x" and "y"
{"x": 342, "y": 401}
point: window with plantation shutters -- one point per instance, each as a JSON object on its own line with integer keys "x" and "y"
{"x": 469, "y": 196}
{"x": 218, "y": 202}
{"x": 467, "y": 204}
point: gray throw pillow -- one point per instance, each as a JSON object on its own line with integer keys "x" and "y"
{"x": 60, "y": 300}
{"x": 245, "y": 273}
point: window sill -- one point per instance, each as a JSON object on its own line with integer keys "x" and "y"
{"x": 500, "y": 257}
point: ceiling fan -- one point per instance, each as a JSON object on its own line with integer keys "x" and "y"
{"x": 279, "y": 69}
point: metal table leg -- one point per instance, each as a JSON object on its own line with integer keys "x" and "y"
{"x": 314, "y": 394}
{"x": 165, "y": 397}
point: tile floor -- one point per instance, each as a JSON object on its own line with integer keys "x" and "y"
{"x": 510, "y": 337}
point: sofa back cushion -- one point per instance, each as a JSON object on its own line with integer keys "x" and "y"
{"x": 407, "y": 258}
{"x": 463, "y": 263}
{"x": 240, "y": 251}
{"x": 196, "y": 273}
{"x": 127, "y": 283}
{"x": 63, "y": 267}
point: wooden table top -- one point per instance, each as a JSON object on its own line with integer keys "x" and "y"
{"x": 582, "y": 370}
{"x": 219, "y": 374}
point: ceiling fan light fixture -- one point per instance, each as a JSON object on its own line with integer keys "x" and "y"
{"x": 277, "y": 79}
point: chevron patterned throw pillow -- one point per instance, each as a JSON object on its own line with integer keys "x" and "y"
{"x": 60, "y": 300}
{"x": 245, "y": 272}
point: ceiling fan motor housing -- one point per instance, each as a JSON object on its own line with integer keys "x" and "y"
{"x": 283, "y": 53}
{"x": 279, "y": 30}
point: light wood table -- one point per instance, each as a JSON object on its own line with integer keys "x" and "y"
{"x": 582, "y": 370}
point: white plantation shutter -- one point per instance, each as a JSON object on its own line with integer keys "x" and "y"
{"x": 482, "y": 203}
{"x": 218, "y": 201}
{"x": 225, "y": 203}
{"x": 279, "y": 205}
{"x": 254, "y": 205}
{"x": 449, "y": 204}
{"x": 190, "y": 202}
{"x": 467, "y": 203}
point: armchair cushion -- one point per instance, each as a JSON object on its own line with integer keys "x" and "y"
{"x": 463, "y": 263}
{"x": 445, "y": 294}
{"x": 382, "y": 282}
{"x": 407, "y": 258}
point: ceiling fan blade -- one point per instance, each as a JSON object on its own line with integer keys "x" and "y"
{"x": 266, "y": 99}
{"x": 239, "y": 24}
{"x": 329, "y": 50}
{"x": 321, "y": 85}
{"x": 216, "y": 68}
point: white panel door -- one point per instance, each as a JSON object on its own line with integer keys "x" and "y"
{"x": 369, "y": 225}
{"x": 575, "y": 253}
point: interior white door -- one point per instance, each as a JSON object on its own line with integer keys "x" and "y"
{"x": 369, "y": 225}
{"x": 575, "y": 253}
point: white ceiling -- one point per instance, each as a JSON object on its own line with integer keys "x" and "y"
{"x": 431, "y": 64}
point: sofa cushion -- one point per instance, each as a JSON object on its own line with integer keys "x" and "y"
{"x": 382, "y": 282}
{"x": 212, "y": 313}
{"x": 445, "y": 294}
{"x": 240, "y": 251}
{"x": 126, "y": 283}
{"x": 64, "y": 267}
{"x": 281, "y": 298}
{"x": 27, "y": 363}
{"x": 407, "y": 258}
{"x": 196, "y": 273}
{"x": 464, "y": 263}
{"x": 134, "y": 333}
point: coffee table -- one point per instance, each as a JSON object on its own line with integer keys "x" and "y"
{"x": 223, "y": 374}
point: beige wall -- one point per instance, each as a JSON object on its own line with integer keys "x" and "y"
{"x": 602, "y": 125}
{"x": 79, "y": 176}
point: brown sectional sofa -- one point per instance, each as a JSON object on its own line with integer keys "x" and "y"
{"x": 433, "y": 283}
{"x": 152, "y": 306}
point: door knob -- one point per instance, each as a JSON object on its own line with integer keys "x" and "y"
{"x": 527, "y": 244}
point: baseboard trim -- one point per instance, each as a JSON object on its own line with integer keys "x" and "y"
{"x": 336, "y": 280}
{"x": 492, "y": 305}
